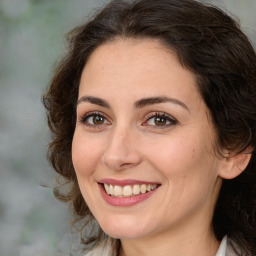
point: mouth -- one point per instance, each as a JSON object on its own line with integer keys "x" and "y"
{"x": 126, "y": 193}
{"x": 128, "y": 190}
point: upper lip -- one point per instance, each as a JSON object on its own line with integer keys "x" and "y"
{"x": 126, "y": 182}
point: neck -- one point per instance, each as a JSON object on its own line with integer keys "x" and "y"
{"x": 196, "y": 243}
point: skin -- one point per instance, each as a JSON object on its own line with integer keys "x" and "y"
{"x": 130, "y": 144}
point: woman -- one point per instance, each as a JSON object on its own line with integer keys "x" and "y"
{"x": 153, "y": 117}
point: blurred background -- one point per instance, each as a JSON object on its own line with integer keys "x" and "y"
{"x": 32, "y": 221}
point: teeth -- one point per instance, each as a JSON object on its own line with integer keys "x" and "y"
{"x": 111, "y": 190}
{"x": 143, "y": 188}
{"x": 127, "y": 191}
{"x": 153, "y": 187}
{"x": 118, "y": 191}
{"x": 136, "y": 189}
{"x": 106, "y": 186}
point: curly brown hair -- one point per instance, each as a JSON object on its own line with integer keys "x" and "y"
{"x": 210, "y": 44}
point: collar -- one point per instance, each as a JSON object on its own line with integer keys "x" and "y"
{"x": 105, "y": 250}
{"x": 223, "y": 247}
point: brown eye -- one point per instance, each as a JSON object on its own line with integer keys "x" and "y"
{"x": 94, "y": 119}
{"x": 160, "y": 120}
{"x": 98, "y": 120}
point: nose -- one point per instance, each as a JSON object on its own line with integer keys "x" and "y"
{"x": 122, "y": 150}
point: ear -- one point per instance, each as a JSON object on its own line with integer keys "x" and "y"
{"x": 234, "y": 164}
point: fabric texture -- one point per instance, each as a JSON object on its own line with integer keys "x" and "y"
{"x": 105, "y": 249}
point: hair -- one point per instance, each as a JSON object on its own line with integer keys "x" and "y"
{"x": 210, "y": 44}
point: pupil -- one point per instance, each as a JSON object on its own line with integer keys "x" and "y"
{"x": 160, "y": 120}
{"x": 98, "y": 120}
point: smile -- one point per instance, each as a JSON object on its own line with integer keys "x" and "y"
{"x": 128, "y": 190}
{"x": 126, "y": 193}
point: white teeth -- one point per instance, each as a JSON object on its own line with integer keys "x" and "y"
{"x": 143, "y": 188}
{"x": 106, "y": 186}
{"x": 136, "y": 189}
{"x": 118, "y": 191}
{"x": 153, "y": 187}
{"x": 111, "y": 190}
{"x": 127, "y": 191}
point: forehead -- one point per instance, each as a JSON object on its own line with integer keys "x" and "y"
{"x": 146, "y": 63}
{"x": 140, "y": 46}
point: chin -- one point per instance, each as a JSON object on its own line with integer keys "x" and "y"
{"x": 124, "y": 233}
{"x": 125, "y": 228}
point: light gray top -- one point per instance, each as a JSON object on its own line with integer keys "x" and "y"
{"x": 106, "y": 249}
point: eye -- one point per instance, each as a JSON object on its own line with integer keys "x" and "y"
{"x": 94, "y": 119}
{"x": 160, "y": 120}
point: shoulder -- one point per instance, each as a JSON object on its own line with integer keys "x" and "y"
{"x": 109, "y": 246}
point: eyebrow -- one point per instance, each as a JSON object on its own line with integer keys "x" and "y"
{"x": 157, "y": 100}
{"x": 138, "y": 104}
{"x": 93, "y": 100}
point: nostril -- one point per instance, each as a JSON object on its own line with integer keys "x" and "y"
{"x": 125, "y": 164}
{"x": 120, "y": 161}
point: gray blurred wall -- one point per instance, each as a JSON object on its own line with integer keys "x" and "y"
{"x": 32, "y": 222}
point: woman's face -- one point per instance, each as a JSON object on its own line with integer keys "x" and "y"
{"x": 143, "y": 130}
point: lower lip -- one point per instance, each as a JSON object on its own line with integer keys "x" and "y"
{"x": 125, "y": 201}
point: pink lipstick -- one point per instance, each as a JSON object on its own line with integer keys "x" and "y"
{"x": 126, "y": 192}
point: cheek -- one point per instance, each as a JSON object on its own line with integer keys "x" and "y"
{"x": 85, "y": 154}
{"x": 188, "y": 170}
{"x": 182, "y": 158}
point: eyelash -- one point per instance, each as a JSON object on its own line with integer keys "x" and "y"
{"x": 167, "y": 118}
{"x": 84, "y": 119}
{"x": 172, "y": 121}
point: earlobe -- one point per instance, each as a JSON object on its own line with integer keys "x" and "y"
{"x": 233, "y": 166}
